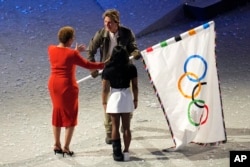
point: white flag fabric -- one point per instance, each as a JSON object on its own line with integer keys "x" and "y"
{"x": 183, "y": 73}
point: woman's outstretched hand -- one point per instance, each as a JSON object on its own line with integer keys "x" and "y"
{"x": 80, "y": 47}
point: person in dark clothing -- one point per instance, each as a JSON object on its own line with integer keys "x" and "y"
{"x": 105, "y": 39}
{"x": 117, "y": 99}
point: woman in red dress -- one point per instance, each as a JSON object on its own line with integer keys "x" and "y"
{"x": 63, "y": 88}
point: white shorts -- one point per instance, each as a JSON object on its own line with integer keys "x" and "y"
{"x": 120, "y": 101}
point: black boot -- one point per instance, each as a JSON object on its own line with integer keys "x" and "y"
{"x": 117, "y": 150}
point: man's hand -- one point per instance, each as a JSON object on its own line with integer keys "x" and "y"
{"x": 94, "y": 73}
{"x": 136, "y": 54}
{"x": 107, "y": 61}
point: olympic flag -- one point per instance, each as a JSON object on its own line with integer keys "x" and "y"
{"x": 184, "y": 76}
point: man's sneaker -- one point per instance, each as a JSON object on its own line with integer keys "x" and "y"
{"x": 108, "y": 139}
{"x": 126, "y": 156}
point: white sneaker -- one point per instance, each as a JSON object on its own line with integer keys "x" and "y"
{"x": 126, "y": 156}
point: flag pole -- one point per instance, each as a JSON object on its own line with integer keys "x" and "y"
{"x": 99, "y": 73}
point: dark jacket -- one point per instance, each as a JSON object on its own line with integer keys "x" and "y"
{"x": 101, "y": 41}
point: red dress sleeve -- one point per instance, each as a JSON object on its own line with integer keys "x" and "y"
{"x": 83, "y": 62}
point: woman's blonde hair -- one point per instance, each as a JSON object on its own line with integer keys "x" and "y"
{"x": 65, "y": 34}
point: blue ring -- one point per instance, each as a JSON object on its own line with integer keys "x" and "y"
{"x": 205, "y": 72}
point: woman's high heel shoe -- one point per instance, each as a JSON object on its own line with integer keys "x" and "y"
{"x": 58, "y": 150}
{"x": 67, "y": 152}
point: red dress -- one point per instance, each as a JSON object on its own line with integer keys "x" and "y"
{"x": 62, "y": 84}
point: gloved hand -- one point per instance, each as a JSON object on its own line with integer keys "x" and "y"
{"x": 94, "y": 73}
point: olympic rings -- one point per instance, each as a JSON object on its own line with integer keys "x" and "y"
{"x": 196, "y": 90}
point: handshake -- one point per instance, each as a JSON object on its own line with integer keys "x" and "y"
{"x": 136, "y": 55}
{"x": 94, "y": 73}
